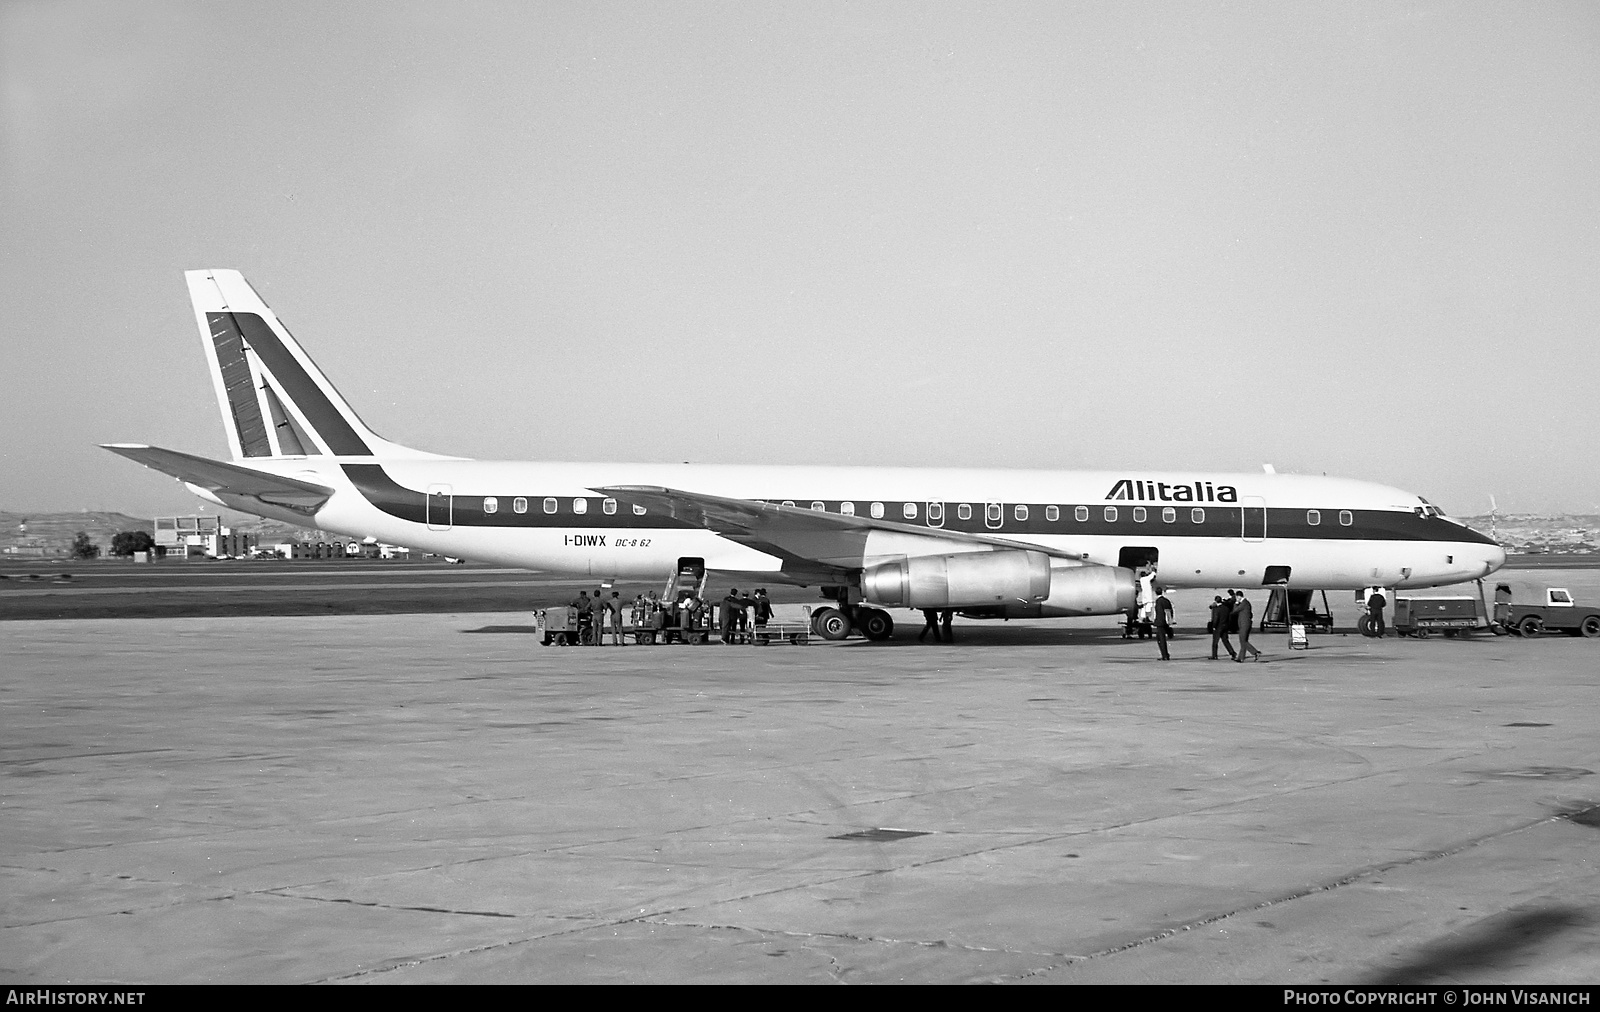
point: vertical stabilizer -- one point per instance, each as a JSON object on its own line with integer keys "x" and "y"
{"x": 275, "y": 401}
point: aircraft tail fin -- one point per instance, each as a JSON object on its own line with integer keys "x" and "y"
{"x": 275, "y": 401}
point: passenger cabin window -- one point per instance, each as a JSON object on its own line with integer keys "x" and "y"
{"x": 909, "y": 511}
{"x": 490, "y": 504}
{"x": 1197, "y": 516}
{"x": 1080, "y": 513}
{"x": 1138, "y": 514}
{"x": 608, "y": 507}
{"x": 519, "y": 504}
{"x": 638, "y": 511}
{"x": 964, "y": 511}
{"x": 877, "y": 511}
{"x": 992, "y": 511}
{"x": 1345, "y": 519}
{"x": 1052, "y": 513}
{"x": 1169, "y": 515}
{"x": 788, "y": 502}
{"x": 1021, "y": 512}
{"x": 549, "y": 505}
{"x": 936, "y": 512}
{"x": 847, "y": 508}
{"x": 819, "y": 506}
{"x": 1111, "y": 514}
{"x": 580, "y": 505}
{"x": 1313, "y": 518}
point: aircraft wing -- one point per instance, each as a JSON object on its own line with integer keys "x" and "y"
{"x": 228, "y": 480}
{"x": 805, "y": 537}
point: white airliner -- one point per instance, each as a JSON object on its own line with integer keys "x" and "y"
{"x": 990, "y": 543}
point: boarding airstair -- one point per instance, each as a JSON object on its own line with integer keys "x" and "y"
{"x": 689, "y": 578}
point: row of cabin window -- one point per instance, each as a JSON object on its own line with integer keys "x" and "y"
{"x": 935, "y": 511}
{"x": 520, "y": 505}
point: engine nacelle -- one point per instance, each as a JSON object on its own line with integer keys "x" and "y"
{"x": 970, "y": 579}
{"x": 1074, "y": 590}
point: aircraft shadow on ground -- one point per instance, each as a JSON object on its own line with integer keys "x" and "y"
{"x": 1503, "y": 940}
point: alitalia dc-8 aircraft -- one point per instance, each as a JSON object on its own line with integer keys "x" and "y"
{"x": 989, "y": 543}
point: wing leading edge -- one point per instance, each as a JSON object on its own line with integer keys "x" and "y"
{"x": 831, "y": 541}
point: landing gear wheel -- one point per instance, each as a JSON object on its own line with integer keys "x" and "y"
{"x": 1364, "y": 625}
{"x": 1531, "y": 626}
{"x": 832, "y": 624}
{"x": 875, "y": 625}
{"x": 1590, "y": 626}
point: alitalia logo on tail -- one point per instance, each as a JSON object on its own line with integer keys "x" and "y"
{"x": 1166, "y": 491}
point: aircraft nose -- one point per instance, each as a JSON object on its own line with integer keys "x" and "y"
{"x": 1493, "y": 558}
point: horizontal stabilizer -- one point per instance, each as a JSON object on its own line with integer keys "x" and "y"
{"x": 228, "y": 480}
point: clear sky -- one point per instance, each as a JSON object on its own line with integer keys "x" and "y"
{"x": 1353, "y": 238}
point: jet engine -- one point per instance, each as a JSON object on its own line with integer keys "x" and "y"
{"x": 970, "y": 579}
{"x": 1074, "y": 590}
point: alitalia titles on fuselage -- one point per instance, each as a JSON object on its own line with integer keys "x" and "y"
{"x": 1166, "y": 491}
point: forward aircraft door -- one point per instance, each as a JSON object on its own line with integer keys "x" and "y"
{"x": 441, "y": 507}
{"x": 1254, "y": 518}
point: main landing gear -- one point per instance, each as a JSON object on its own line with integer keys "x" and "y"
{"x": 838, "y": 622}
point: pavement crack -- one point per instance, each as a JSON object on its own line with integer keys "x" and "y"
{"x": 382, "y": 906}
{"x": 1301, "y": 893}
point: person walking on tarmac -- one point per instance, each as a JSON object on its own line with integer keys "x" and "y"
{"x": 1244, "y": 613}
{"x": 930, "y": 624}
{"x": 944, "y": 620}
{"x": 1375, "y": 605}
{"x": 763, "y": 609}
{"x": 1163, "y": 621}
{"x": 1221, "y": 618}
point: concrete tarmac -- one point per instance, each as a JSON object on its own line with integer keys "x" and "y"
{"x": 395, "y": 799}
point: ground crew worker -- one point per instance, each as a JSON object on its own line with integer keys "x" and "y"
{"x": 730, "y": 604}
{"x": 1243, "y": 612}
{"x": 930, "y": 624}
{"x": 763, "y": 609}
{"x": 1375, "y": 605}
{"x": 585, "y": 617}
{"x": 1221, "y": 618}
{"x": 944, "y": 620}
{"x": 616, "y": 618}
{"x": 1163, "y": 621}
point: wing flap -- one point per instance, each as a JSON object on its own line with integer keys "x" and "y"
{"x": 230, "y": 480}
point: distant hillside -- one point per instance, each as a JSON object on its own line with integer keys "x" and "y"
{"x": 55, "y": 531}
{"x": 1533, "y": 533}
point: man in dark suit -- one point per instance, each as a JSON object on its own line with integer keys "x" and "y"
{"x": 1221, "y": 615}
{"x": 1163, "y": 621}
{"x": 1245, "y": 614}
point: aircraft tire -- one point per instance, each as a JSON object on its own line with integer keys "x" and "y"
{"x": 876, "y": 625}
{"x": 832, "y": 624}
